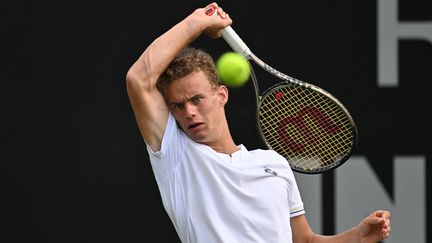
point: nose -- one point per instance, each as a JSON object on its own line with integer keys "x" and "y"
{"x": 189, "y": 110}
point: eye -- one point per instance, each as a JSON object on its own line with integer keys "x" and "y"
{"x": 177, "y": 106}
{"x": 197, "y": 99}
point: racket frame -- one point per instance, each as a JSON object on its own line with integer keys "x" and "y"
{"x": 239, "y": 46}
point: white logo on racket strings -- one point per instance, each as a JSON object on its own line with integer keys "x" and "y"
{"x": 270, "y": 171}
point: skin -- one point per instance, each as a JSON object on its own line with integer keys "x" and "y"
{"x": 150, "y": 109}
{"x": 199, "y": 110}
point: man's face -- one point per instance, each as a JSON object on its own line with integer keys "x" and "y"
{"x": 197, "y": 106}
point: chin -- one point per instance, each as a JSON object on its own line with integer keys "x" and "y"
{"x": 198, "y": 138}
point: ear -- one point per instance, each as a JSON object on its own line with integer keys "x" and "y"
{"x": 223, "y": 94}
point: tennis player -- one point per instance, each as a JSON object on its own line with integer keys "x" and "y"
{"x": 212, "y": 189}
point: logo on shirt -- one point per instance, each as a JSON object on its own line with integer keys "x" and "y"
{"x": 270, "y": 171}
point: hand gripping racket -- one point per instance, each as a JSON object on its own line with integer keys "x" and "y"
{"x": 300, "y": 121}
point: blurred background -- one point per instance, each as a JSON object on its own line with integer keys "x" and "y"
{"x": 76, "y": 168}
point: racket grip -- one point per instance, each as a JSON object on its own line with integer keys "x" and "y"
{"x": 236, "y": 43}
{"x": 231, "y": 37}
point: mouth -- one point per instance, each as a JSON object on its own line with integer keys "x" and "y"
{"x": 195, "y": 125}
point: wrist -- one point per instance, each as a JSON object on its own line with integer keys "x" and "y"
{"x": 193, "y": 25}
{"x": 359, "y": 234}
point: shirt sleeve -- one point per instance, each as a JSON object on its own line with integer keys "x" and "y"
{"x": 167, "y": 158}
{"x": 294, "y": 198}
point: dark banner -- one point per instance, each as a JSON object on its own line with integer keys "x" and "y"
{"x": 76, "y": 168}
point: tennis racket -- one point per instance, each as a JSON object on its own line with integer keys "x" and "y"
{"x": 300, "y": 121}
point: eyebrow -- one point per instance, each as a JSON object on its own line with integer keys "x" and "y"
{"x": 171, "y": 104}
{"x": 182, "y": 102}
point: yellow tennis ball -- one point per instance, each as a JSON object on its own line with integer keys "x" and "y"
{"x": 233, "y": 69}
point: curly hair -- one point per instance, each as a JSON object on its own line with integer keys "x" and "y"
{"x": 187, "y": 61}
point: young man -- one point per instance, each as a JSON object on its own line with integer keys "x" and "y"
{"x": 212, "y": 189}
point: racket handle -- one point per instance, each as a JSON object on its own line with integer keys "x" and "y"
{"x": 236, "y": 43}
{"x": 231, "y": 37}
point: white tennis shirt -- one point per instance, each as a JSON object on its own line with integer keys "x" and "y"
{"x": 213, "y": 197}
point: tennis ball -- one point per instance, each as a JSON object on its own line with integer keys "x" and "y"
{"x": 233, "y": 69}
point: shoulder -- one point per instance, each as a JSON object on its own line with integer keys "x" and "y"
{"x": 267, "y": 153}
{"x": 273, "y": 160}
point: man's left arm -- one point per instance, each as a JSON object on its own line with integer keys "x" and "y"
{"x": 374, "y": 228}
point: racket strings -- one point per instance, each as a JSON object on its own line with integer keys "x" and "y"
{"x": 308, "y": 128}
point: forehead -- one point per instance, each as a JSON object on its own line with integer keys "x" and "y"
{"x": 188, "y": 86}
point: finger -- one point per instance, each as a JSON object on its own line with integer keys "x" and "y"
{"x": 213, "y": 4}
{"x": 213, "y": 9}
{"x": 374, "y": 220}
{"x": 383, "y": 213}
{"x": 387, "y": 214}
{"x": 210, "y": 9}
{"x": 387, "y": 222}
{"x": 386, "y": 227}
{"x": 222, "y": 13}
{"x": 385, "y": 235}
{"x": 383, "y": 217}
{"x": 386, "y": 232}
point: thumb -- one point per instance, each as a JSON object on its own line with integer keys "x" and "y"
{"x": 377, "y": 220}
{"x": 374, "y": 219}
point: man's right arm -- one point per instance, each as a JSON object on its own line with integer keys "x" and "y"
{"x": 148, "y": 104}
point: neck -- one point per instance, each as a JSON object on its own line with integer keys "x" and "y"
{"x": 225, "y": 148}
{"x": 224, "y": 142}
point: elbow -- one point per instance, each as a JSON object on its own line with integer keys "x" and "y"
{"x": 138, "y": 81}
{"x": 135, "y": 79}
{"x": 141, "y": 76}
{"x": 132, "y": 78}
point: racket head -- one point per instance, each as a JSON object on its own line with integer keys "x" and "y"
{"x": 306, "y": 125}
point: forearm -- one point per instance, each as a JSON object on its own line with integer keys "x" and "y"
{"x": 162, "y": 51}
{"x": 349, "y": 236}
{"x": 156, "y": 58}
{"x": 302, "y": 233}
